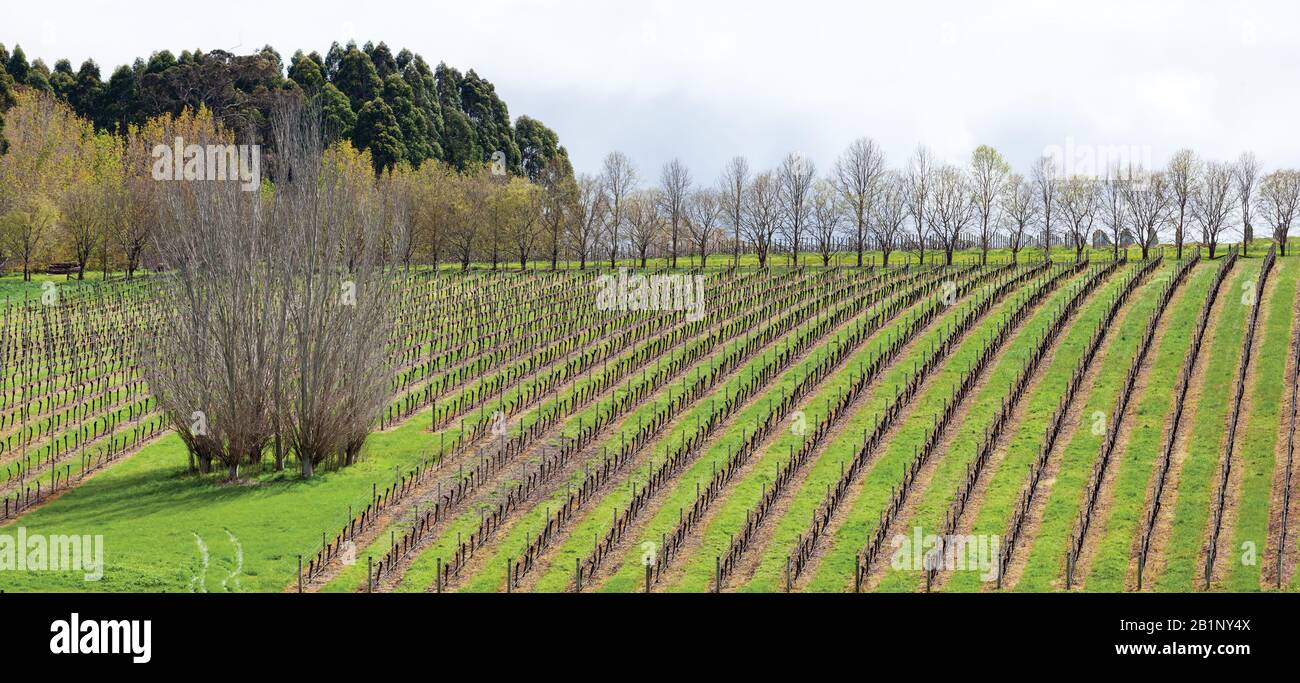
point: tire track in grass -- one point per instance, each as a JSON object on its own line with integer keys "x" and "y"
{"x": 1259, "y": 439}
{"x": 957, "y": 451}
{"x": 1108, "y": 556}
{"x": 1176, "y": 562}
{"x": 1043, "y": 549}
{"x": 996, "y": 497}
{"x": 832, "y": 566}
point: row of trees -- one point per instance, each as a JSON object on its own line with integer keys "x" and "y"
{"x": 865, "y": 205}
{"x": 394, "y": 105}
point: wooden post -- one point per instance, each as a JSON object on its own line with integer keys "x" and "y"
{"x": 300, "y": 573}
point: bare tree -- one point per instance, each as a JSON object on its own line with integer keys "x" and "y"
{"x": 558, "y": 196}
{"x": 1046, "y": 189}
{"x": 674, "y": 188}
{"x": 1278, "y": 202}
{"x": 731, "y": 192}
{"x": 857, "y": 175}
{"x": 920, "y": 171}
{"x": 795, "y": 178}
{"x": 587, "y": 218}
{"x": 827, "y": 213}
{"x": 645, "y": 211}
{"x": 1113, "y": 210}
{"x": 988, "y": 178}
{"x": 1182, "y": 172}
{"x": 1149, "y": 199}
{"x": 704, "y": 211}
{"x": 952, "y": 208}
{"x": 889, "y": 213}
{"x": 1020, "y": 207}
{"x": 1212, "y": 202}
{"x": 618, "y": 179}
{"x": 762, "y": 213}
{"x": 1245, "y": 173}
{"x": 1079, "y": 199}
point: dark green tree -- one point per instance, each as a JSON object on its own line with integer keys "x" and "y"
{"x": 307, "y": 74}
{"x": 382, "y": 57}
{"x": 458, "y": 145}
{"x": 336, "y": 112}
{"x": 377, "y": 131}
{"x": 538, "y": 145}
{"x": 357, "y": 79}
{"x": 87, "y": 91}
{"x": 17, "y": 65}
{"x": 416, "y": 133}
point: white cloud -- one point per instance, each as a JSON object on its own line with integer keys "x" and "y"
{"x": 706, "y": 80}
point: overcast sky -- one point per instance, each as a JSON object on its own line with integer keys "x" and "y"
{"x": 706, "y": 80}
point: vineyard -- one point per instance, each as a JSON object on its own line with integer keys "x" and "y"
{"x": 1106, "y": 424}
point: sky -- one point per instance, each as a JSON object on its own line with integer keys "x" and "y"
{"x": 704, "y": 80}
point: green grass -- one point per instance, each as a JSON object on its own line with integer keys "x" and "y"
{"x": 1184, "y": 562}
{"x": 1136, "y": 458}
{"x": 1258, "y": 435}
{"x": 148, "y": 509}
{"x": 1045, "y": 567}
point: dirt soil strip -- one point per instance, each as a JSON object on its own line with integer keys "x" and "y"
{"x": 1073, "y": 422}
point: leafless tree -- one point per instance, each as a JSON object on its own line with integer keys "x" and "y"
{"x": 731, "y": 192}
{"x": 889, "y": 213}
{"x": 1212, "y": 201}
{"x": 952, "y": 208}
{"x": 618, "y": 179}
{"x": 646, "y": 212}
{"x": 1278, "y": 202}
{"x": 795, "y": 178}
{"x": 558, "y": 196}
{"x": 1149, "y": 199}
{"x": 762, "y": 213}
{"x": 1245, "y": 174}
{"x": 857, "y": 175}
{"x": 276, "y": 313}
{"x": 1113, "y": 210}
{"x": 1020, "y": 208}
{"x": 1047, "y": 190}
{"x": 704, "y": 211}
{"x": 588, "y": 217}
{"x": 988, "y": 177}
{"x": 674, "y": 188}
{"x": 1080, "y": 197}
{"x": 827, "y": 214}
{"x": 1182, "y": 171}
{"x": 920, "y": 172}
